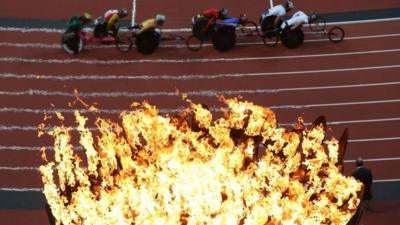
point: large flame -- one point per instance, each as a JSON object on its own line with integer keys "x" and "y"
{"x": 239, "y": 169}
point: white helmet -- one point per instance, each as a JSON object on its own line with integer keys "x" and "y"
{"x": 290, "y": 4}
{"x": 160, "y": 19}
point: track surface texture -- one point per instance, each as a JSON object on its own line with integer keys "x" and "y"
{"x": 355, "y": 84}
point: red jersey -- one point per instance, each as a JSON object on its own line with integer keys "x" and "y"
{"x": 109, "y": 14}
{"x": 211, "y": 13}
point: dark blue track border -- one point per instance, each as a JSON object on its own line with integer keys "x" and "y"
{"x": 330, "y": 18}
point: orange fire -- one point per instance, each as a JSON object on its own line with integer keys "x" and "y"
{"x": 191, "y": 169}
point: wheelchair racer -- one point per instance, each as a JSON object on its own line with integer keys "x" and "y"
{"x": 149, "y": 24}
{"x": 76, "y": 23}
{"x": 212, "y": 15}
{"x": 279, "y": 11}
{"x": 233, "y": 21}
{"x": 298, "y": 19}
{"x": 112, "y": 18}
{"x": 71, "y": 39}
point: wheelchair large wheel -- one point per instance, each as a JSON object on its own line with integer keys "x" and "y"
{"x": 224, "y": 39}
{"x": 72, "y": 43}
{"x": 336, "y": 34}
{"x": 200, "y": 30}
{"x": 123, "y": 43}
{"x": 147, "y": 42}
{"x": 267, "y": 24}
{"x": 292, "y": 38}
{"x": 100, "y": 28}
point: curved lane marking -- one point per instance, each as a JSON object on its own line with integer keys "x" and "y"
{"x": 57, "y": 46}
{"x": 194, "y": 60}
{"x": 380, "y": 120}
{"x": 202, "y": 93}
{"x": 17, "y": 168}
{"x": 374, "y": 139}
{"x": 212, "y": 109}
{"x": 66, "y": 77}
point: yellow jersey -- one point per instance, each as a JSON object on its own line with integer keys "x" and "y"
{"x": 148, "y": 24}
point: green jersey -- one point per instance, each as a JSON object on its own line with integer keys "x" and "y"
{"x": 75, "y": 24}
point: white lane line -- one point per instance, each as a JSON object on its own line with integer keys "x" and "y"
{"x": 372, "y": 36}
{"x": 133, "y": 19}
{"x": 17, "y": 168}
{"x": 54, "y": 110}
{"x": 202, "y": 93}
{"x": 363, "y": 121}
{"x": 340, "y": 122}
{"x": 35, "y": 128}
{"x": 46, "y": 45}
{"x": 57, "y": 46}
{"x": 31, "y": 128}
{"x": 40, "y": 189}
{"x": 31, "y": 148}
{"x": 169, "y": 30}
{"x": 22, "y": 189}
{"x": 386, "y": 180}
{"x": 21, "y": 168}
{"x": 29, "y": 45}
{"x": 193, "y": 60}
{"x": 335, "y": 104}
{"x": 375, "y": 160}
{"x": 212, "y": 109}
{"x": 374, "y": 139}
{"x": 80, "y": 148}
{"x": 364, "y": 21}
{"x": 22, "y": 148}
{"x": 30, "y": 30}
{"x": 66, "y": 77}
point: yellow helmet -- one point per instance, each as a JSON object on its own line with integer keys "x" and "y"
{"x": 86, "y": 17}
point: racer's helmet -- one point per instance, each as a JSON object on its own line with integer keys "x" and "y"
{"x": 289, "y": 5}
{"x": 223, "y": 13}
{"x": 312, "y": 17}
{"x": 85, "y": 17}
{"x": 243, "y": 18}
{"x": 359, "y": 162}
{"x": 122, "y": 13}
{"x": 160, "y": 19}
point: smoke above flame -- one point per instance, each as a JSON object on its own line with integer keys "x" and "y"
{"x": 192, "y": 169}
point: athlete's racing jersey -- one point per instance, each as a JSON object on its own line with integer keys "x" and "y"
{"x": 297, "y": 19}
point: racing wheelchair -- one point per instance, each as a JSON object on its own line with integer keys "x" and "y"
{"x": 223, "y": 35}
{"x": 74, "y": 42}
{"x": 293, "y": 38}
{"x": 148, "y": 41}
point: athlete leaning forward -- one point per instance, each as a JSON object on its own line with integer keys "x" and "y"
{"x": 105, "y": 31}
